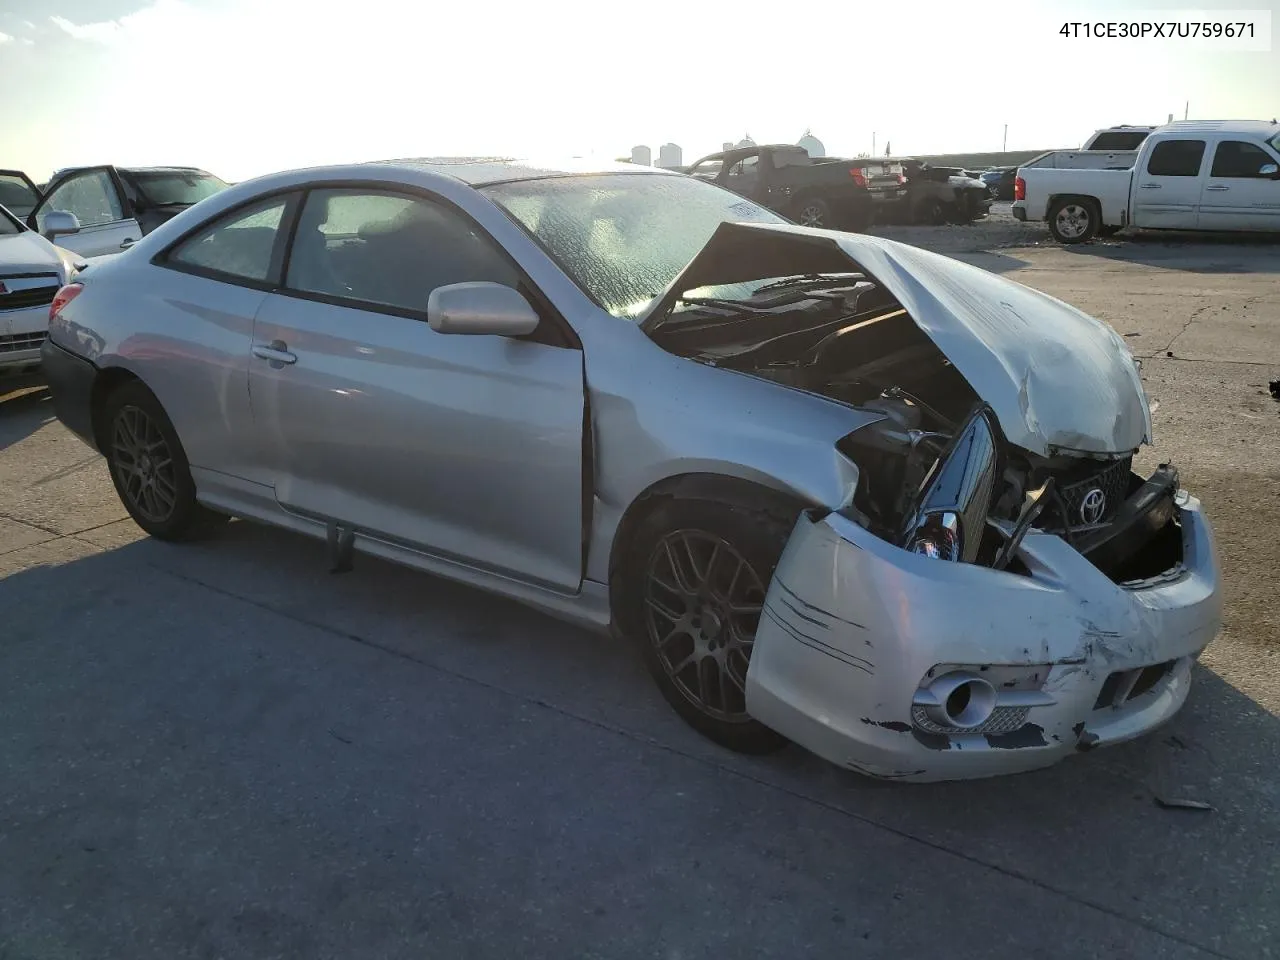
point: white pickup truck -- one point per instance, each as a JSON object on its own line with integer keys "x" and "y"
{"x": 1221, "y": 175}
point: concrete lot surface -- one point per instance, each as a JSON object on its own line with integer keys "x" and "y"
{"x": 221, "y": 750}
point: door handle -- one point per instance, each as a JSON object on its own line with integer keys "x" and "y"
{"x": 1217, "y": 186}
{"x": 1150, "y": 186}
{"x": 128, "y": 242}
{"x": 276, "y": 352}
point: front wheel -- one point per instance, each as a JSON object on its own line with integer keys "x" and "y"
{"x": 1073, "y": 221}
{"x": 149, "y": 466}
{"x": 692, "y": 597}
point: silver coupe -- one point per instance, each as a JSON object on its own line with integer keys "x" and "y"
{"x": 837, "y": 490}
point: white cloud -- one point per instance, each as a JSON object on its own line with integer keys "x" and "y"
{"x": 5, "y": 38}
{"x": 28, "y": 24}
{"x": 27, "y": 42}
{"x": 161, "y": 21}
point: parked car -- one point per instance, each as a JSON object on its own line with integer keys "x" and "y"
{"x": 940, "y": 195}
{"x": 1188, "y": 176}
{"x": 32, "y": 270}
{"x": 815, "y": 191}
{"x": 999, "y": 181}
{"x": 837, "y": 489}
{"x": 114, "y": 207}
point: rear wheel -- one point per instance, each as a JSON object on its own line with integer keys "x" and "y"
{"x": 149, "y": 466}
{"x": 813, "y": 212}
{"x": 1073, "y": 220}
{"x": 692, "y": 598}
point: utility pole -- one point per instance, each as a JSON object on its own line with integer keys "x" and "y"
{"x": 1186, "y": 111}
{"x": 873, "y": 143}
{"x": 1004, "y": 147}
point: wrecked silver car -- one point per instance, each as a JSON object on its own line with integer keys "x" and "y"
{"x": 837, "y": 490}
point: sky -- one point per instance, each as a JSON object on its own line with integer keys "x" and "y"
{"x": 247, "y": 87}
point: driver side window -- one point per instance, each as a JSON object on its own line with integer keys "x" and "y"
{"x": 388, "y": 250}
{"x": 1236, "y": 159}
{"x": 92, "y": 197}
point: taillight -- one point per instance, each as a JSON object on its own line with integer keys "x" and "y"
{"x": 62, "y": 298}
{"x": 1019, "y": 189}
{"x": 859, "y": 177}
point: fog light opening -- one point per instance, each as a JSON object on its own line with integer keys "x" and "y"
{"x": 963, "y": 701}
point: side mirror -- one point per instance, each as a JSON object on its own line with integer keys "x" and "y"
{"x": 480, "y": 308}
{"x": 1269, "y": 170}
{"x": 59, "y": 223}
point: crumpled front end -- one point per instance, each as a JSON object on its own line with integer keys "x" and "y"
{"x": 903, "y": 666}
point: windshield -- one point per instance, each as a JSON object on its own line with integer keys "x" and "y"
{"x": 16, "y": 195}
{"x": 175, "y": 187}
{"x": 623, "y": 237}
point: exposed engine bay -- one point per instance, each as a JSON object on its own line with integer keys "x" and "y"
{"x": 937, "y": 473}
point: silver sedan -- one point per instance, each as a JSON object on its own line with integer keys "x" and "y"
{"x": 837, "y": 490}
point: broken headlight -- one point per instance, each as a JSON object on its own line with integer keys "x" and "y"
{"x": 949, "y": 511}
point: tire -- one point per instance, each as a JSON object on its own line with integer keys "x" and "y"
{"x": 1073, "y": 220}
{"x": 814, "y": 212}
{"x": 1110, "y": 231}
{"x": 685, "y": 627}
{"x": 931, "y": 211}
{"x": 149, "y": 466}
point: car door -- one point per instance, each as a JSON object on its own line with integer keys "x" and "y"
{"x": 468, "y": 448}
{"x": 1168, "y": 187}
{"x": 745, "y": 177}
{"x": 18, "y": 194}
{"x": 1243, "y": 188}
{"x": 94, "y": 196}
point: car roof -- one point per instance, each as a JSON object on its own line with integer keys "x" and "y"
{"x": 482, "y": 171}
{"x": 1257, "y": 128}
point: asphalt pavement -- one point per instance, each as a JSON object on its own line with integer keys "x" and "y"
{"x": 221, "y": 750}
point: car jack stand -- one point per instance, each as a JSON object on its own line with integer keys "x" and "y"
{"x": 341, "y": 547}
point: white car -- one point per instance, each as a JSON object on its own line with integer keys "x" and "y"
{"x": 838, "y": 490}
{"x": 31, "y": 271}
{"x": 1222, "y": 175}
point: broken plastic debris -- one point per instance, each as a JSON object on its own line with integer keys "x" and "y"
{"x": 1176, "y": 803}
{"x": 1274, "y": 387}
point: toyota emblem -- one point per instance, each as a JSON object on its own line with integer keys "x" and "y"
{"x": 1093, "y": 506}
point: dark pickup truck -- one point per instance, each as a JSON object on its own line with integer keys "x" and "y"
{"x": 814, "y": 191}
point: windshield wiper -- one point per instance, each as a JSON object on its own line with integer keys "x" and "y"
{"x": 807, "y": 279}
{"x": 734, "y": 306}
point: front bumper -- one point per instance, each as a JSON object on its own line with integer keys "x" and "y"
{"x": 852, "y": 625}
{"x": 21, "y": 334}
{"x": 70, "y": 379}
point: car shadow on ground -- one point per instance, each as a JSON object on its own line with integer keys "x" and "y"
{"x": 25, "y": 406}
{"x": 1189, "y": 252}
{"x": 1093, "y": 827}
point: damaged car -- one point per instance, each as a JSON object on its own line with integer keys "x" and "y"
{"x": 837, "y": 490}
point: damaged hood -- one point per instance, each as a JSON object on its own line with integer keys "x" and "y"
{"x": 1058, "y": 380}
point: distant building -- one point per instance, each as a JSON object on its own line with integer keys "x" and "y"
{"x": 746, "y": 141}
{"x": 642, "y": 155}
{"x": 670, "y": 155}
{"x": 726, "y": 145}
{"x": 812, "y": 145}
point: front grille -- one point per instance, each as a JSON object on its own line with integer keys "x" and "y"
{"x": 1002, "y": 720}
{"x": 1113, "y": 482}
{"x": 30, "y": 297}
{"x": 15, "y": 342}
{"x": 1125, "y": 685}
